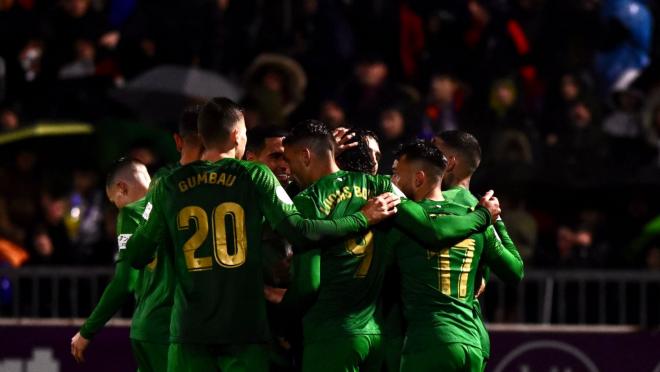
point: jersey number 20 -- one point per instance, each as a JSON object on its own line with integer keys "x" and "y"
{"x": 227, "y": 229}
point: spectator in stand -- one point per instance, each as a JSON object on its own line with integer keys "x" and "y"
{"x": 84, "y": 218}
{"x": 324, "y": 43}
{"x": 571, "y": 88}
{"x": 625, "y": 121}
{"x": 521, "y": 225}
{"x": 443, "y": 108}
{"x": 506, "y": 113}
{"x": 50, "y": 244}
{"x": 332, "y": 114}
{"x": 624, "y": 129}
{"x": 579, "y": 155}
{"x": 369, "y": 92}
{"x": 511, "y": 153}
{"x": 73, "y": 35}
{"x": 395, "y": 128}
{"x": 582, "y": 243}
{"x": 19, "y": 198}
{"x": 17, "y": 27}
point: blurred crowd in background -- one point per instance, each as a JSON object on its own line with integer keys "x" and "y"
{"x": 564, "y": 96}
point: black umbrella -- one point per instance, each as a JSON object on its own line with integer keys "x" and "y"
{"x": 162, "y": 93}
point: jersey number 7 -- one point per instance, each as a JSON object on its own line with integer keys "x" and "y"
{"x": 362, "y": 247}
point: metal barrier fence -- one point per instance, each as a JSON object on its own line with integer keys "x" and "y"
{"x": 52, "y": 292}
{"x": 576, "y": 297}
{"x": 544, "y": 297}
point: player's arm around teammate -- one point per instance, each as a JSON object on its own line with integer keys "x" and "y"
{"x": 445, "y": 230}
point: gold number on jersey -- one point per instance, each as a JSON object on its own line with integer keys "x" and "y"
{"x": 226, "y": 217}
{"x": 197, "y": 214}
{"x": 466, "y": 245}
{"x": 362, "y": 247}
{"x": 229, "y": 216}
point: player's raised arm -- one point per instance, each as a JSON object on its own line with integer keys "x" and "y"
{"x": 503, "y": 258}
{"x": 442, "y": 230}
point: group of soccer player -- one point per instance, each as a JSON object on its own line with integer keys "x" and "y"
{"x": 356, "y": 272}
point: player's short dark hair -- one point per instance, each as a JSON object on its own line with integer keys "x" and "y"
{"x": 217, "y": 118}
{"x": 257, "y": 137}
{"x": 358, "y": 159}
{"x": 313, "y": 133}
{"x": 425, "y": 152}
{"x": 465, "y": 144}
{"x": 119, "y": 166}
{"x": 188, "y": 121}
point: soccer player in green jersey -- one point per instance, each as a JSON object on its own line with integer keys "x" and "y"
{"x": 265, "y": 146}
{"x": 213, "y": 212}
{"x": 463, "y": 158}
{"x": 361, "y": 153}
{"x": 341, "y": 331}
{"x": 153, "y": 286}
{"x": 126, "y": 187}
{"x": 438, "y": 283}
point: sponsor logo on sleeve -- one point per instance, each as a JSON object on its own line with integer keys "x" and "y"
{"x": 122, "y": 239}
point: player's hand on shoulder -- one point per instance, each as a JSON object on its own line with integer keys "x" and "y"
{"x": 490, "y": 202}
{"x": 381, "y": 207}
{"x": 78, "y": 346}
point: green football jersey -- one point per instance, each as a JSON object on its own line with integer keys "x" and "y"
{"x": 352, "y": 270}
{"x": 305, "y": 281}
{"x": 122, "y": 284}
{"x": 154, "y": 288}
{"x": 438, "y": 284}
{"x": 462, "y": 196}
{"x": 213, "y": 214}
